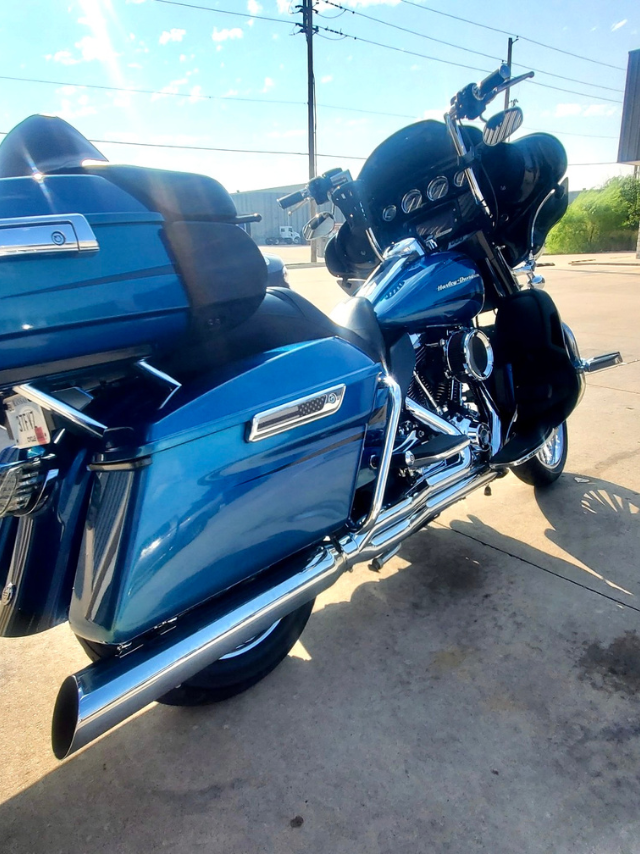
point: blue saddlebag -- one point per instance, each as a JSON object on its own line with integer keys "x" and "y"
{"x": 248, "y": 466}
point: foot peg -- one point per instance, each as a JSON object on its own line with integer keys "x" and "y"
{"x": 435, "y": 450}
{"x": 599, "y": 363}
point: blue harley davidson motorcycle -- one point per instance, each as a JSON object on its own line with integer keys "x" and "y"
{"x": 195, "y": 454}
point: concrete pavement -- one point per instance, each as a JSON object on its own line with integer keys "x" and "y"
{"x": 480, "y": 693}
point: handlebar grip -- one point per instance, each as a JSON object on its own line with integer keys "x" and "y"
{"x": 496, "y": 78}
{"x": 293, "y": 198}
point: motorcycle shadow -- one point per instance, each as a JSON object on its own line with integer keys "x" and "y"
{"x": 589, "y": 533}
{"x": 455, "y": 664}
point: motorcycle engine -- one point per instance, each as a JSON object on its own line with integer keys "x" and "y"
{"x": 449, "y": 366}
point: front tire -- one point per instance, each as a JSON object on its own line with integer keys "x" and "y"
{"x": 548, "y": 464}
{"x": 233, "y": 673}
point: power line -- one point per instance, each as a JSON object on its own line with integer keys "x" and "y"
{"x": 263, "y": 151}
{"x": 466, "y": 49}
{"x": 411, "y": 32}
{"x": 198, "y": 96}
{"x": 507, "y": 33}
{"x": 568, "y": 133}
{"x": 204, "y": 96}
{"x": 213, "y": 148}
{"x": 223, "y": 11}
{"x": 462, "y": 65}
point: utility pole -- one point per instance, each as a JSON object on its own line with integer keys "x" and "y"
{"x": 509, "y": 55}
{"x": 307, "y": 26}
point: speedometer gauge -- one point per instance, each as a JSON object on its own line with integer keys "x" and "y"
{"x": 411, "y": 201}
{"x": 438, "y": 188}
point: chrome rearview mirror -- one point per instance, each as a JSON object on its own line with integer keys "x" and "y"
{"x": 320, "y": 225}
{"x": 502, "y": 125}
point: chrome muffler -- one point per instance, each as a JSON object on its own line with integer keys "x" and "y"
{"x": 106, "y": 693}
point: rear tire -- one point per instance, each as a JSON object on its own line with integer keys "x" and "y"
{"x": 233, "y": 673}
{"x": 548, "y": 464}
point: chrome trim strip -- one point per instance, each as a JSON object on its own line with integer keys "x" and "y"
{"x": 161, "y": 377}
{"x": 295, "y": 413}
{"x": 50, "y": 234}
{"x": 74, "y": 416}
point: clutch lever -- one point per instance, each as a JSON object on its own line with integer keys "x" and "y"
{"x": 507, "y": 84}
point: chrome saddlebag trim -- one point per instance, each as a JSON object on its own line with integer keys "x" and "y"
{"x": 295, "y": 413}
{"x": 47, "y": 234}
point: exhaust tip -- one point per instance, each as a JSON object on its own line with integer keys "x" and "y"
{"x": 65, "y": 718}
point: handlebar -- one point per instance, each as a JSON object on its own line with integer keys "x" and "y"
{"x": 294, "y": 198}
{"x": 471, "y": 102}
{"x": 492, "y": 81}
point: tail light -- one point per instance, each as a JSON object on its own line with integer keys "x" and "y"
{"x": 24, "y": 484}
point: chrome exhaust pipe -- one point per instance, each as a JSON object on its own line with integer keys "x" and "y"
{"x": 107, "y": 692}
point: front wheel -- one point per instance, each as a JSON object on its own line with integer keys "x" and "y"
{"x": 235, "y": 672}
{"x": 548, "y": 464}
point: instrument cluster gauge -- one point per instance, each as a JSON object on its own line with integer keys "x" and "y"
{"x": 389, "y": 213}
{"x": 411, "y": 201}
{"x": 438, "y": 188}
{"x": 459, "y": 178}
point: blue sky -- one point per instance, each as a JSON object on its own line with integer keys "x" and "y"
{"x": 212, "y": 60}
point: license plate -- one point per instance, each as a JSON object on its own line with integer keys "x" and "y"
{"x": 27, "y": 422}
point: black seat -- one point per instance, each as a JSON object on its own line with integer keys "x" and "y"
{"x": 284, "y": 317}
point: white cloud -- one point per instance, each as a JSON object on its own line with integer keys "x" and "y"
{"x": 433, "y": 114}
{"x": 284, "y": 6}
{"x": 64, "y": 57}
{"x": 287, "y": 134}
{"x": 96, "y": 47}
{"x": 268, "y": 84}
{"x": 133, "y": 65}
{"x": 618, "y": 25}
{"x": 250, "y": 22}
{"x": 135, "y": 1}
{"x": 563, "y": 110}
{"x": 225, "y": 34}
{"x": 599, "y": 110}
{"x": 230, "y": 94}
{"x": 327, "y": 78}
{"x": 253, "y": 7}
{"x": 70, "y": 110}
{"x": 172, "y": 35}
{"x": 354, "y": 4}
{"x": 170, "y": 89}
{"x": 195, "y": 95}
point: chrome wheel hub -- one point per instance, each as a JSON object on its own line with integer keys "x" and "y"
{"x": 251, "y": 643}
{"x": 551, "y": 452}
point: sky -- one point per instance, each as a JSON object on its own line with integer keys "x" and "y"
{"x": 219, "y": 80}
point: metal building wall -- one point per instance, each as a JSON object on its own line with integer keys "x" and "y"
{"x": 629, "y": 148}
{"x": 265, "y": 202}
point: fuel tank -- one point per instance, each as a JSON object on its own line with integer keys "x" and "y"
{"x": 442, "y": 289}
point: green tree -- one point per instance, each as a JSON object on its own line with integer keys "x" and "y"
{"x": 600, "y": 220}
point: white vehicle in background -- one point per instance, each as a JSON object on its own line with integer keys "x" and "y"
{"x": 285, "y": 234}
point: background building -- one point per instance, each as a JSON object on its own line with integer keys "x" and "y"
{"x": 265, "y": 202}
